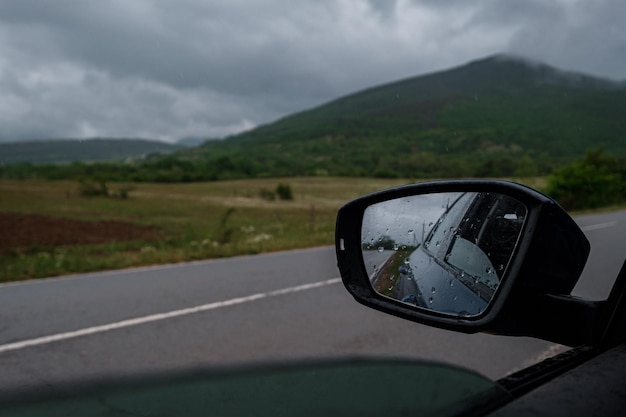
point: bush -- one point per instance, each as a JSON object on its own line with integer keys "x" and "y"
{"x": 595, "y": 181}
{"x": 284, "y": 192}
{"x": 93, "y": 189}
{"x": 224, "y": 231}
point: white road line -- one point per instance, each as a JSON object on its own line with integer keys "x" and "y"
{"x": 161, "y": 316}
{"x": 598, "y": 226}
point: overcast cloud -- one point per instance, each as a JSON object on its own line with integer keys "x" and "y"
{"x": 170, "y": 69}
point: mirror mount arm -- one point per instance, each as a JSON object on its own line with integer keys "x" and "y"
{"x": 615, "y": 315}
{"x": 562, "y": 319}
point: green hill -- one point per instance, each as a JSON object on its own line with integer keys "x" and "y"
{"x": 499, "y": 116}
{"x": 71, "y": 150}
{"x": 494, "y": 116}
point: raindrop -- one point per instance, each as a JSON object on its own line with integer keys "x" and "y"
{"x": 456, "y": 297}
{"x": 391, "y": 278}
{"x": 500, "y": 267}
{"x": 410, "y": 232}
{"x": 430, "y": 300}
{"x": 390, "y": 288}
{"x": 438, "y": 244}
{"x": 395, "y": 247}
{"x": 452, "y": 283}
{"x": 380, "y": 249}
{"x": 433, "y": 290}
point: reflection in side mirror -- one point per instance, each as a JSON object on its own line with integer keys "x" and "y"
{"x": 446, "y": 252}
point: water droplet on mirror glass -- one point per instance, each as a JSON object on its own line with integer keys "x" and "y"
{"x": 437, "y": 243}
{"x": 500, "y": 267}
{"x": 452, "y": 283}
{"x": 391, "y": 278}
{"x": 380, "y": 249}
{"x": 433, "y": 290}
{"x": 395, "y": 247}
{"x": 430, "y": 300}
{"x": 410, "y": 232}
{"x": 456, "y": 297}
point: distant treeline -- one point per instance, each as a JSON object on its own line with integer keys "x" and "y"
{"x": 596, "y": 180}
{"x": 193, "y": 167}
{"x": 177, "y": 168}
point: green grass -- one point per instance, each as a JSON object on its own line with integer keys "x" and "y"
{"x": 189, "y": 218}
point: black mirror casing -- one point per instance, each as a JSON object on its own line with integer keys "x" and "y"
{"x": 546, "y": 264}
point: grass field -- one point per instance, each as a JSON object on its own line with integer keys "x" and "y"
{"x": 59, "y": 232}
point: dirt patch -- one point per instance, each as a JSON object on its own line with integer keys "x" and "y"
{"x": 22, "y": 231}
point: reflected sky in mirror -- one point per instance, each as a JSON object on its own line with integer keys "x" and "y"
{"x": 405, "y": 220}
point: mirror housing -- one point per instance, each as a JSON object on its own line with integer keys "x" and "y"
{"x": 533, "y": 297}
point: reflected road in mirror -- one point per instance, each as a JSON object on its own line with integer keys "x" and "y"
{"x": 445, "y": 252}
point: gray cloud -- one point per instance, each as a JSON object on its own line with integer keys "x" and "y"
{"x": 166, "y": 70}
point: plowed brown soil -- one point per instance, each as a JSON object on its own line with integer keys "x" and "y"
{"x": 21, "y": 231}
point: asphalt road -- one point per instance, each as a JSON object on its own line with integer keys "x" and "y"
{"x": 276, "y": 307}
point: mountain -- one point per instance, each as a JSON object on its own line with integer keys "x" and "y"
{"x": 495, "y": 117}
{"x": 492, "y": 116}
{"x": 89, "y": 150}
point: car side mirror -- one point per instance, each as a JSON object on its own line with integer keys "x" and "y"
{"x": 470, "y": 256}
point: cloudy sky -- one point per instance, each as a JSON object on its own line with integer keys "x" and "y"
{"x": 207, "y": 68}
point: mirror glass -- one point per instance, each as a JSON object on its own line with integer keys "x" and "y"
{"x": 445, "y": 252}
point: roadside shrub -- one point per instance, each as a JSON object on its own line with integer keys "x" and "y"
{"x": 122, "y": 193}
{"x": 101, "y": 189}
{"x": 93, "y": 189}
{"x": 224, "y": 231}
{"x": 284, "y": 192}
{"x": 595, "y": 181}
